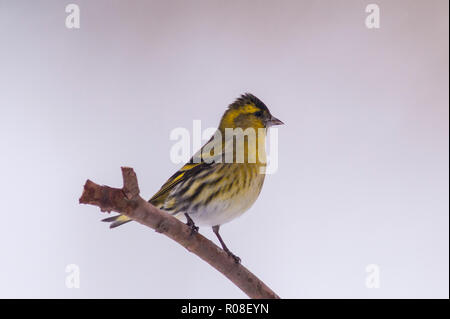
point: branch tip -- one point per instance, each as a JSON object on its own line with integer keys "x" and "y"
{"x": 87, "y": 192}
{"x": 130, "y": 183}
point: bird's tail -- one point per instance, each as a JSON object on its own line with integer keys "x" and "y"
{"x": 117, "y": 220}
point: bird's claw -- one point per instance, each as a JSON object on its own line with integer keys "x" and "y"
{"x": 194, "y": 229}
{"x": 237, "y": 260}
{"x": 191, "y": 224}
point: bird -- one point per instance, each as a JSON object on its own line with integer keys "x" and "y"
{"x": 225, "y": 177}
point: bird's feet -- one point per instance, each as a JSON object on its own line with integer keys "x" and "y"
{"x": 191, "y": 224}
{"x": 237, "y": 260}
{"x": 194, "y": 229}
{"x": 215, "y": 229}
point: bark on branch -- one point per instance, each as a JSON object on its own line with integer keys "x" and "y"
{"x": 128, "y": 202}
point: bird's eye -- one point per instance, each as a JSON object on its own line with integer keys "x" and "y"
{"x": 258, "y": 114}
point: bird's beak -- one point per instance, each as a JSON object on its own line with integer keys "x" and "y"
{"x": 274, "y": 121}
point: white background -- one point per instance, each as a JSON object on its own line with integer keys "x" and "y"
{"x": 363, "y": 157}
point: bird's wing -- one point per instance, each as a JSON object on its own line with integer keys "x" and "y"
{"x": 197, "y": 163}
{"x": 184, "y": 173}
{"x": 212, "y": 153}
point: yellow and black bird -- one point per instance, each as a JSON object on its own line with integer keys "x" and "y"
{"x": 211, "y": 190}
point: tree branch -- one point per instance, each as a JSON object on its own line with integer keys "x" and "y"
{"x": 128, "y": 202}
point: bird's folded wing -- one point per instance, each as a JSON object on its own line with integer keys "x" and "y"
{"x": 212, "y": 153}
